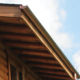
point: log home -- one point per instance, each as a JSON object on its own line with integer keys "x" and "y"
{"x": 27, "y": 52}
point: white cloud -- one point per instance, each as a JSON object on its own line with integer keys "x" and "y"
{"x": 76, "y": 59}
{"x": 49, "y": 13}
{"x": 63, "y": 40}
{"x": 63, "y": 14}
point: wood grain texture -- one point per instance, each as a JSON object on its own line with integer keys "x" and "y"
{"x": 3, "y": 66}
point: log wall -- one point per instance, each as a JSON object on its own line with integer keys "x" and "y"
{"x": 3, "y": 64}
{"x": 6, "y": 59}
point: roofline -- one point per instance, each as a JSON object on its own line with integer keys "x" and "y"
{"x": 50, "y": 40}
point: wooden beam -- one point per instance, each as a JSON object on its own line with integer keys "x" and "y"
{"x": 15, "y": 29}
{"x": 23, "y": 38}
{"x": 34, "y": 56}
{"x": 42, "y": 68}
{"x": 50, "y": 72}
{"x": 25, "y": 45}
{"x": 56, "y": 77}
{"x": 49, "y": 78}
{"x": 11, "y": 20}
{"x": 33, "y": 53}
{"x": 10, "y": 11}
{"x": 45, "y": 66}
{"x": 38, "y": 60}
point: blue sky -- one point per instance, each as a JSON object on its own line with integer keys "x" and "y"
{"x": 61, "y": 18}
{"x": 72, "y": 27}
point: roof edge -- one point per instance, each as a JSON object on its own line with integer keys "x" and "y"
{"x": 15, "y": 5}
{"x": 50, "y": 40}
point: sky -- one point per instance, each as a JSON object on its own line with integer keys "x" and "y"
{"x": 61, "y": 19}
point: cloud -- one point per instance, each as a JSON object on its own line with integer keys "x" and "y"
{"x": 63, "y": 40}
{"x": 76, "y": 59}
{"x": 63, "y": 14}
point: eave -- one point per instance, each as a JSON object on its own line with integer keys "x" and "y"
{"x": 21, "y": 15}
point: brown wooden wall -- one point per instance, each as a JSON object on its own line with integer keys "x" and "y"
{"x": 29, "y": 76}
{"x": 6, "y": 60}
{"x": 3, "y": 65}
{"x": 21, "y": 67}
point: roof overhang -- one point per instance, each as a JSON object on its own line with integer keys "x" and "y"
{"x": 21, "y": 16}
